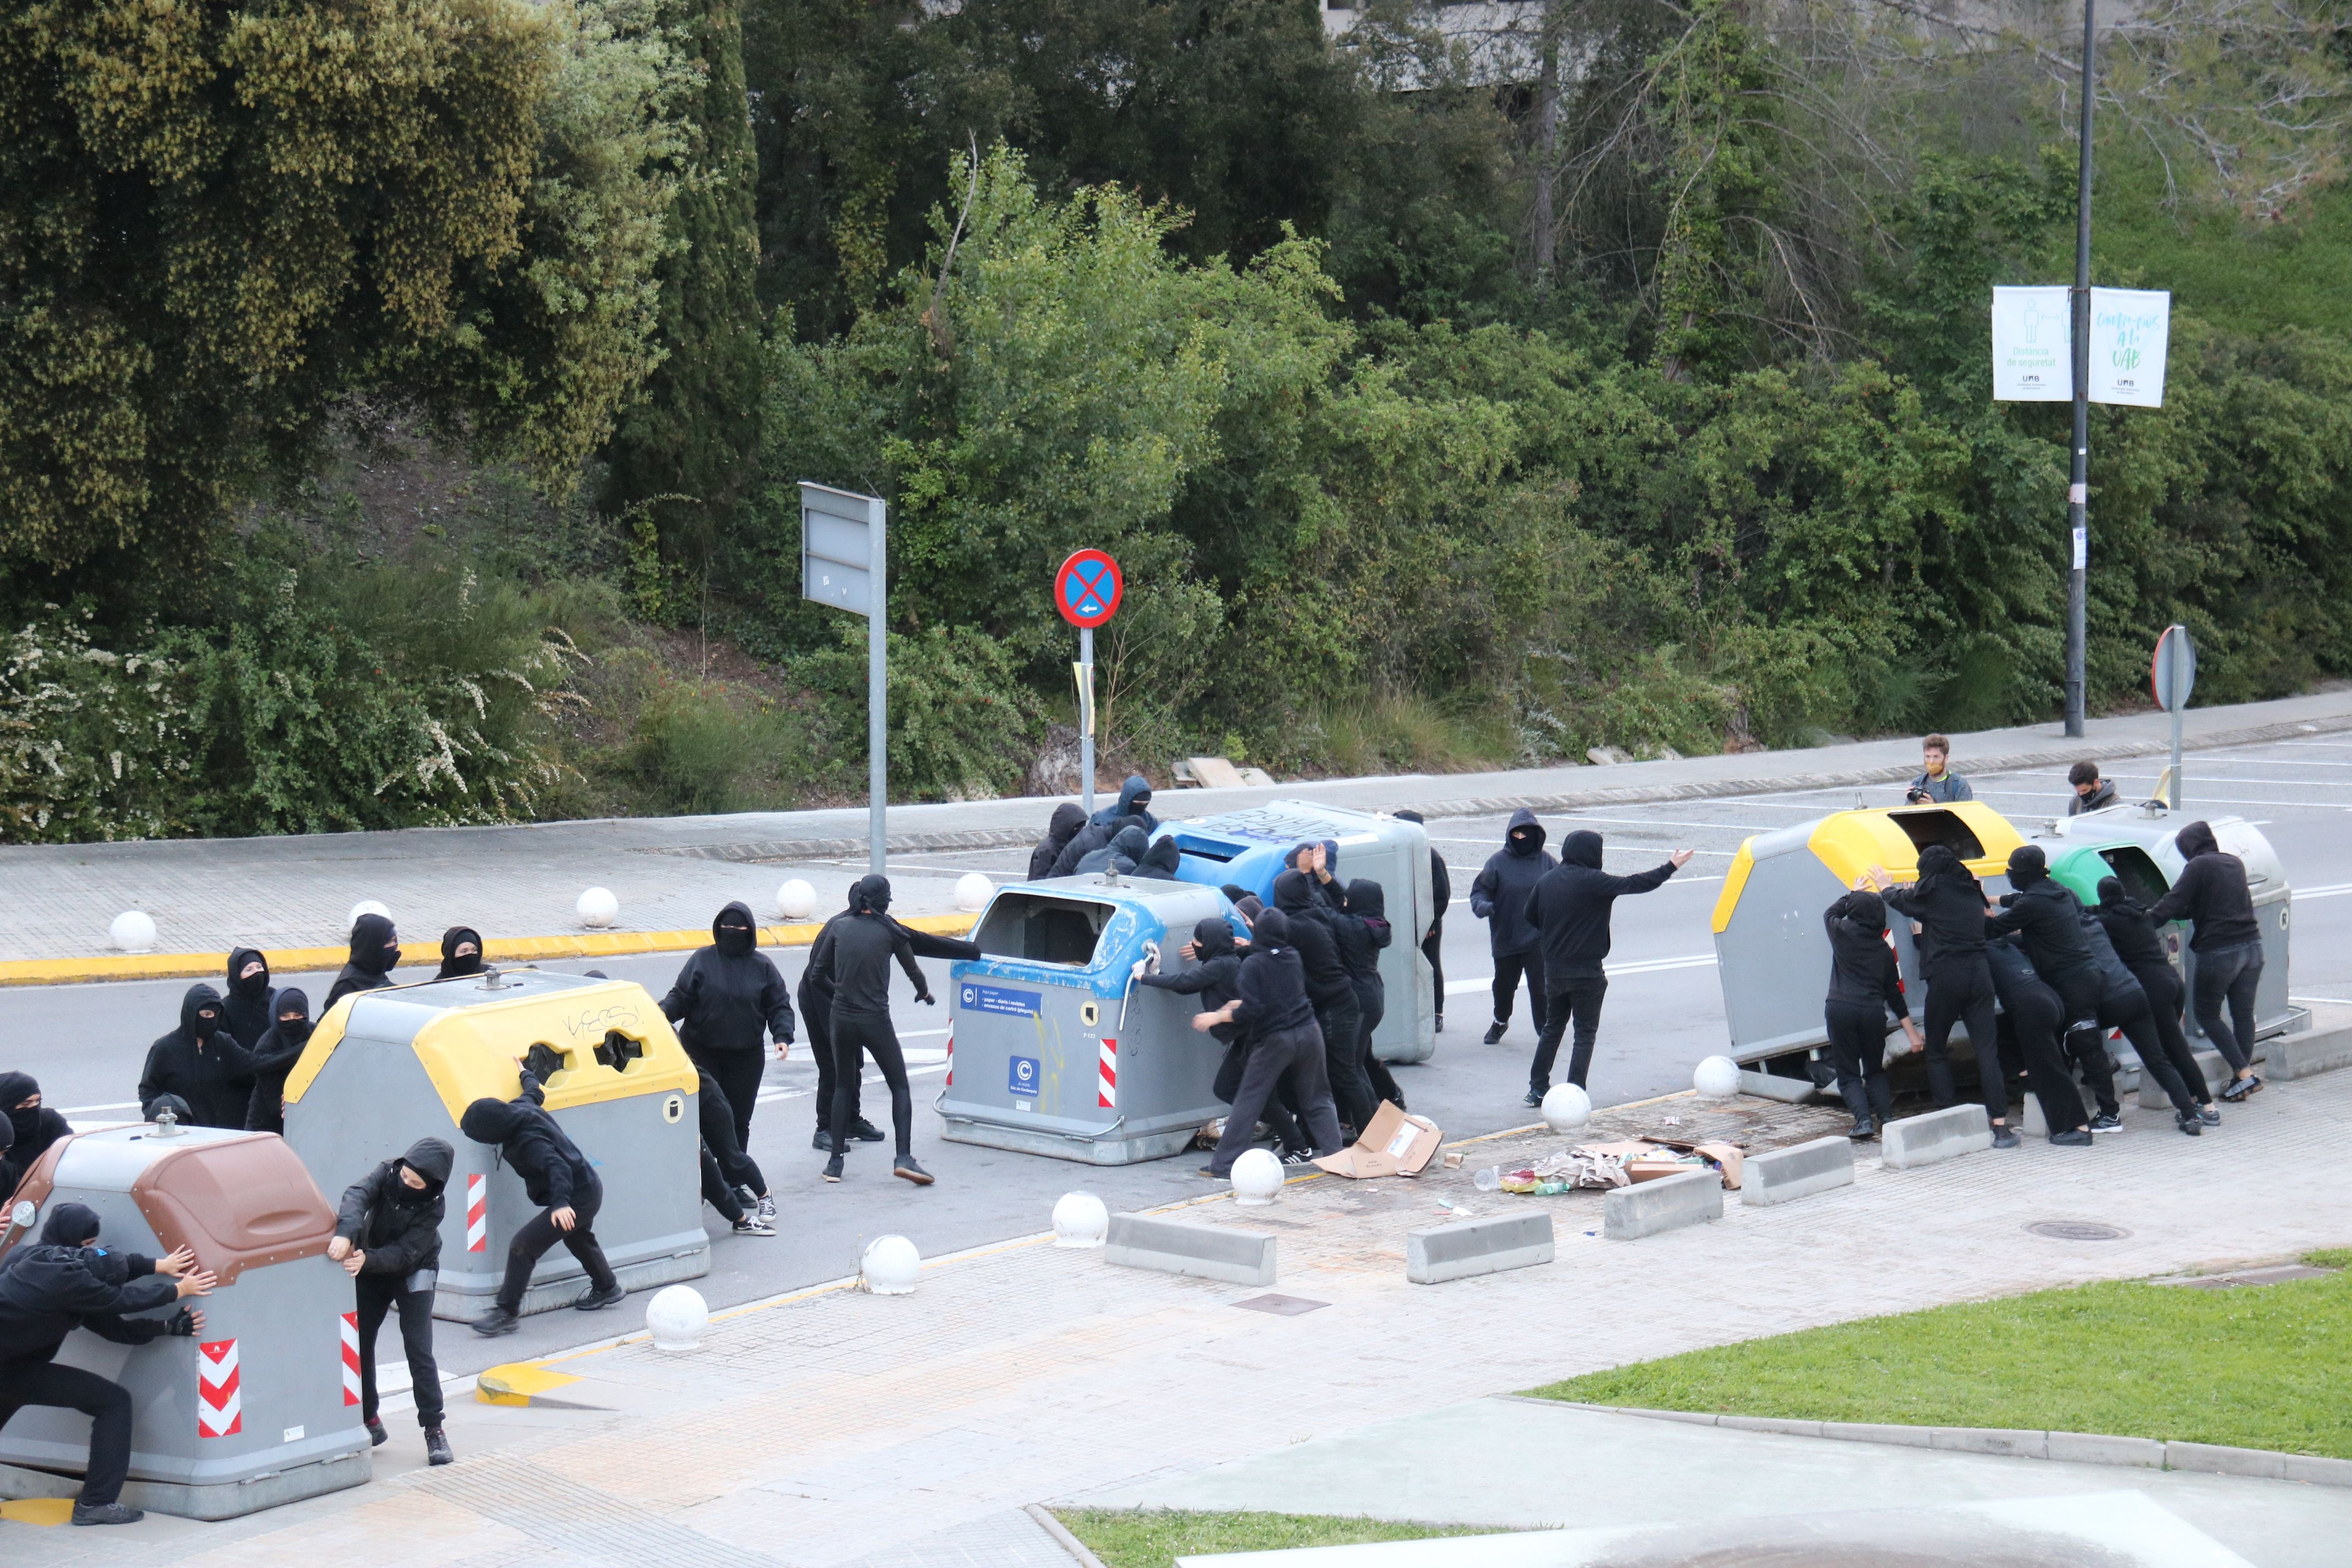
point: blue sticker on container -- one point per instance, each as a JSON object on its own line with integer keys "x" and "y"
{"x": 1002, "y": 999}
{"x": 1021, "y": 1078}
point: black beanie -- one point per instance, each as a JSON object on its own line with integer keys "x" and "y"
{"x": 69, "y": 1225}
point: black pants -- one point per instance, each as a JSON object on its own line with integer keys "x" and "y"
{"x": 1339, "y": 1019}
{"x": 2228, "y": 976}
{"x": 719, "y": 1141}
{"x": 1509, "y": 967}
{"x": 1962, "y": 993}
{"x": 2029, "y": 1036}
{"x": 1296, "y": 1061}
{"x": 1858, "y": 1045}
{"x": 738, "y": 1075}
{"x": 1277, "y": 1113}
{"x": 855, "y": 1036}
{"x": 2163, "y": 988}
{"x": 1371, "y": 1006}
{"x": 2086, "y": 1051}
{"x": 379, "y": 1294}
{"x": 539, "y": 1234}
{"x": 107, "y": 1406}
{"x": 2126, "y": 1008}
{"x": 1575, "y": 1002}
{"x": 1433, "y": 948}
{"x": 717, "y": 1192}
{"x": 818, "y": 1023}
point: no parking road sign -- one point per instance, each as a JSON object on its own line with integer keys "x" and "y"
{"x": 1087, "y": 589}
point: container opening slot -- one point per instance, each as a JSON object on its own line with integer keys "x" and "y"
{"x": 618, "y": 1050}
{"x": 1944, "y": 827}
{"x": 2135, "y": 872}
{"x": 1206, "y": 849}
{"x": 1043, "y": 928}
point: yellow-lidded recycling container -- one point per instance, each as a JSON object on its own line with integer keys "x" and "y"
{"x": 1771, "y": 953}
{"x": 386, "y": 1068}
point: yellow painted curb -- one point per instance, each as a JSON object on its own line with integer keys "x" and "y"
{"x": 518, "y": 1382}
{"x": 38, "y": 1511}
{"x": 508, "y": 950}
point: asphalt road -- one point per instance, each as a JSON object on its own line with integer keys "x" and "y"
{"x": 85, "y": 1043}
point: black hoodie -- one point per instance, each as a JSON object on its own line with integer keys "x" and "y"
{"x": 455, "y": 965}
{"x": 551, "y": 1166}
{"x": 1126, "y": 851}
{"x": 1440, "y": 883}
{"x": 246, "y": 1003}
{"x": 1498, "y": 894}
{"x": 1308, "y": 928}
{"x": 1272, "y": 984}
{"x": 1571, "y": 907}
{"x": 1950, "y": 905}
{"x": 727, "y": 992}
{"x": 1160, "y": 861}
{"x": 2212, "y": 892}
{"x": 1093, "y": 836}
{"x": 1862, "y": 966}
{"x": 1068, "y": 817}
{"x": 273, "y": 1058}
{"x": 1215, "y": 974}
{"x": 850, "y": 965}
{"x": 375, "y": 952}
{"x": 2129, "y": 928}
{"x": 397, "y": 1226}
{"x": 36, "y": 1129}
{"x": 1362, "y": 929}
{"x": 202, "y": 1063}
{"x": 2047, "y": 919}
{"x": 52, "y": 1288}
{"x": 1134, "y": 801}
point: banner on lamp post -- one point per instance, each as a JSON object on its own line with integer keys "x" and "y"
{"x": 2130, "y": 329}
{"x": 2031, "y": 345}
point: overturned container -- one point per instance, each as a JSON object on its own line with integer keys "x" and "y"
{"x": 257, "y": 1409}
{"x": 386, "y": 1068}
{"x": 1245, "y": 849}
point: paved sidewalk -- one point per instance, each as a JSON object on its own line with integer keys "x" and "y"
{"x": 834, "y": 1427}
{"x": 672, "y": 873}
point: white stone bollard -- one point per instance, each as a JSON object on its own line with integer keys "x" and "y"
{"x": 795, "y": 900}
{"x": 678, "y": 1315}
{"x": 972, "y": 892}
{"x": 1716, "y": 1077}
{"x": 1257, "y": 1178}
{"x": 1080, "y": 1219}
{"x": 598, "y": 907}
{"x": 1566, "y": 1108}
{"x": 365, "y": 906}
{"x": 133, "y": 931}
{"x": 888, "y": 1266}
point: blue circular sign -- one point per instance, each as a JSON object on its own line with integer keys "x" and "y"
{"x": 1087, "y": 588}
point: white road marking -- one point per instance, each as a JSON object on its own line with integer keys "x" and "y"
{"x": 1638, "y": 966}
{"x": 2333, "y": 890}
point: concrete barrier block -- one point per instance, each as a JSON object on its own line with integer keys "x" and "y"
{"x": 1180, "y": 1246}
{"x": 2323, "y": 1048}
{"x": 1779, "y": 1175}
{"x": 1939, "y": 1135}
{"x": 1670, "y": 1202}
{"x": 2099, "y": 1449}
{"x": 1487, "y": 1245}
{"x": 2008, "y": 1441}
{"x": 2217, "y": 1076}
{"x": 2031, "y": 1123}
{"x": 2219, "y": 1460}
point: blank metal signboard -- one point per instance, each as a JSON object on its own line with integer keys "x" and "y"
{"x": 845, "y": 563}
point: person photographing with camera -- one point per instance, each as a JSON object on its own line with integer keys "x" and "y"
{"x": 1936, "y": 785}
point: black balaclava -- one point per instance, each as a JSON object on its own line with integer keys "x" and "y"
{"x": 432, "y": 1159}
{"x": 870, "y": 895}
{"x": 69, "y": 1225}
{"x": 293, "y": 999}
{"x": 1867, "y": 910}
{"x": 1938, "y": 864}
{"x": 1134, "y": 796}
{"x": 1525, "y": 836}
{"x": 1068, "y": 817}
{"x": 734, "y": 931}
{"x": 198, "y": 999}
{"x": 489, "y": 1120}
{"x": 1234, "y": 892}
{"x": 455, "y": 965}
{"x": 252, "y": 987}
{"x": 1292, "y": 857}
{"x": 1250, "y": 908}
{"x": 2027, "y": 865}
{"x": 1367, "y": 898}
{"x": 1581, "y": 848}
{"x": 1272, "y": 929}
{"x": 1132, "y": 843}
{"x": 2113, "y": 895}
{"x": 375, "y": 946}
{"x": 15, "y": 1089}
{"x": 1293, "y": 894}
{"x": 1214, "y": 938}
{"x": 2196, "y": 839}
{"x": 1163, "y": 856}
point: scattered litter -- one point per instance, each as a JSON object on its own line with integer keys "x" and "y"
{"x": 1601, "y": 1166}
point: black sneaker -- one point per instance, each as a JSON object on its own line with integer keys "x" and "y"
{"x": 904, "y": 1166}
{"x": 595, "y": 1301}
{"x": 437, "y": 1447}
{"x": 1438, "y": 1024}
{"x": 1863, "y": 1130}
{"x": 377, "y": 1435}
{"x": 1494, "y": 1033}
{"x": 752, "y": 1225}
{"x": 2106, "y": 1121}
{"x": 1303, "y": 1157}
{"x": 2210, "y": 1114}
{"x": 1533, "y": 1099}
{"x": 865, "y": 1131}
{"x": 2188, "y": 1122}
{"x": 1214, "y": 1174}
{"x": 833, "y": 1169}
{"x": 497, "y": 1321}
{"x": 106, "y": 1513}
{"x": 2241, "y": 1088}
{"x": 2002, "y": 1138}
{"x": 2076, "y": 1138}
{"x": 821, "y": 1142}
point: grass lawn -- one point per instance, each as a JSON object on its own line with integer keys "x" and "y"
{"x": 1154, "y": 1537}
{"x": 2258, "y": 1367}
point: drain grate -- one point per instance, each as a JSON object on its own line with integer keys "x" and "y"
{"x": 2078, "y": 1230}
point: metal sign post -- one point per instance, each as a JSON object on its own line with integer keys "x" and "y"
{"x": 1086, "y": 591}
{"x": 844, "y": 564}
{"x": 2172, "y": 676}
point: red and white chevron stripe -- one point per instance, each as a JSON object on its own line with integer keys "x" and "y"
{"x": 478, "y": 1213}
{"x": 350, "y": 1358}
{"x": 220, "y": 1409}
{"x": 950, "y": 1053}
{"x": 1107, "y": 1077}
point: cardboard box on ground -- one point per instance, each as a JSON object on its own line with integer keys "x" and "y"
{"x": 1396, "y": 1144}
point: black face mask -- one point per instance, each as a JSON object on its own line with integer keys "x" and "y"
{"x": 206, "y": 1025}
{"x": 296, "y": 1029}
{"x": 734, "y": 940}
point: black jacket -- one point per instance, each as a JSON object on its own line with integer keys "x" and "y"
{"x": 47, "y": 1291}
{"x": 34, "y": 1130}
{"x": 1215, "y": 974}
{"x": 1134, "y": 804}
{"x": 212, "y": 1072}
{"x": 1863, "y": 972}
{"x": 1159, "y": 862}
{"x": 2046, "y": 918}
{"x": 1950, "y": 905}
{"x": 852, "y": 970}
{"x": 249, "y": 1005}
{"x": 273, "y": 1057}
{"x": 550, "y": 1164}
{"x": 1310, "y": 923}
{"x": 1068, "y": 817}
{"x": 1362, "y": 929}
{"x": 1498, "y": 894}
{"x": 1441, "y": 889}
{"x": 2212, "y": 892}
{"x": 1569, "y": 906}
{"x": 1124, "y": 853}
{"x": 2130, "y": 929}
{"x": 2019, "y": 986}
{"x": 1273, "y": 982}
{"x": 1092, "y": 837}
{"x": 371, "y": 962}
{"x": 2115, "y": 975}
{"x": 729, "y": 992}
{"x": 397, "y": 1226}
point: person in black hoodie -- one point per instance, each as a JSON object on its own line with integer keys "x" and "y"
{"x": 1313, "y": 860}
{"x": 1215, "y": 978}
{"x": 388, "y": 1240}
{"x": 858, "y": 974}
{"x": 731, "y": 1181}
{"x": 1363, "y": 932}
{"x": 2046, "y": 918}
{"x": 32, "y": 1125}
{"x": 1865, "y": 988}
{"x": 202, "y": 1063}
{"x": 2133, "y": 935}
{"x": 1068, "y": 817}
{"x": 375, "y": 953}
{"x": 1134, "y": 803}
{"x": 1126, "y": 851}
{"x": 2032, "y": 1015}
{"x": 461, "y": 953}
{"x": 1433, "y": 946}
{"x": 1568, "y": 908}
{"x": 1160, "y": 861}
{"x": 1330, "y": 992}
{"x": 2213, "y": 894}
{"x": 722, "y": 998}
{"x": 557, "y": 1177}
{"x": 815, "y": 994}
{"x": 245, "y": 1000}
{"x": 1092, "y": 837}
{"x": 1498, "y": 894}
{"x": 1948, "y": 902}
{"x": 1285, "y": 1048}
{"x": 67, "y": 1281}
{"x": 274, "y": 1056}
{"x": 2124, "y": 1004}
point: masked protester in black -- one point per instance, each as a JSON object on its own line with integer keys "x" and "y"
{"x": 1122, "y": 854}
{"x": 1068, "y": 818}
{"x": 858, "y": 972}
{"x": 557, "y": 1177}
{"x": 2047, "y": 920}
{"x": 245, "y": 1005}
{"x": 2133, "y": 933}
{"x": 202, "y": 1063}
{"x": 1498, "y": 894}
{"x": 1159, "y": 862}
{"x": 1865, "y": 988}
{"x": 1433, "y": 946}
{"x": 2227, "y": 941}
{"x": 274, "y": 1056}
{"x": 1331, "y": 993}
{"x": 1215, "y": 978}
{"x": 1134, "y": 803}
{"x": 375, "y": 953}
{"x": 816, "y": 1011}
{"x": 731, "y": 1181}
{"x": 388, "y": 1240}
{"x": 1363, "y": 932}
{"x": 723, "y": 996}
{"x": 1569, "y": 909}
{"x": 1093, "y": 838}
{"x": 1285, "y": 1047}
{"x": 33, "y": 1126}
{"x": 461, "y": 953}
{"x": 66, "y": 1281}
{"x": 1948, "y": 902}
{"x": 2033, "y": 1017}
{"x": 1314, "y": 860}
{"x": 2124, "y": 1004}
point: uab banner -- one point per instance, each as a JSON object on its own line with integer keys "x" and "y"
{"x": 2032, "y": 345}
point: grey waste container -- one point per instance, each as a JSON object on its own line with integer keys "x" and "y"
{"x": 386, "y": 1068}
{"x": 1054, "y": 1050}
{"x": 1245, "y": 849}
{"x": 256, "y": 1410}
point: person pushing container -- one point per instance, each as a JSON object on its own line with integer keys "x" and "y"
{"x": 557, "y": 1177}
{"x": 1865, "y": 988}
{"x": 2212, "y": 895}
{"x": 1949, "y": 904}
{"x": 1285, "y": 1047}
{"x": 388, "y": 1240}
